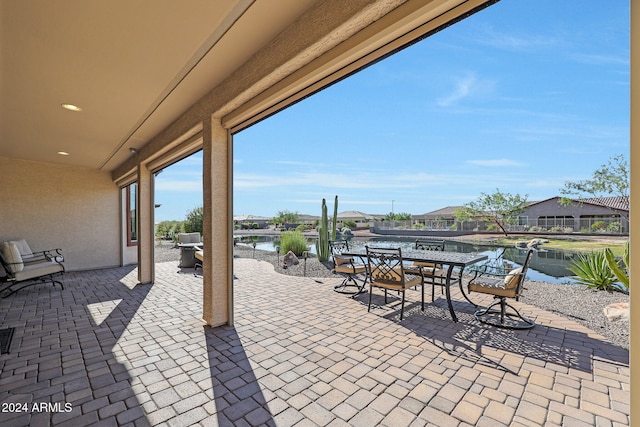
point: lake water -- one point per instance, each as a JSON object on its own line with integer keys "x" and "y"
{"x": 547, "y": 265}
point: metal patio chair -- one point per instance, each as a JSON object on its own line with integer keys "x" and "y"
{"x": 386, "y": 271}
{"x": 433, "y": 273}
{"x": 25, "y": 267}
{"x": 502, "y": 284}
{"x": 348, "y": 267}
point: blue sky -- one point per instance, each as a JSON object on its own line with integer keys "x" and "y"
{"x": 522, "y": 97}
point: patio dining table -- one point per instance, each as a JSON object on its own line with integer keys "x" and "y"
{"x": 447, "y": 259}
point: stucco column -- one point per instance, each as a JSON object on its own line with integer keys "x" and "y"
{"x": 634, "y": 208}
{"x": 145, "y": 225}
{"x": 217, "y": 267}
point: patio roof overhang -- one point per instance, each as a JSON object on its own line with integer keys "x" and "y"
{"x": 146, "y": 73}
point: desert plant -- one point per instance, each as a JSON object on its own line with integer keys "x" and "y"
{"x": 322, "y": 243}
{"x": 621, "y": 272}
{"x": 334, "y": 224}
{"x": 614, "y": 227}
{"x": 592, "y": 270}
{"x": 346, "y": 231}
{"x": 349, "y": 223}
{"x": 293, "y": 241}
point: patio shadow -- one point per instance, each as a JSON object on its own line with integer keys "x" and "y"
{"x": 571, "y": 348}
{"x": 62, "y": 367}
{"x": 237, "y": 395}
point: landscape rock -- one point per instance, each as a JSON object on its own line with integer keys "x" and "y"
{"x": 617, "y": 311}
{"x": 290, "y": 259}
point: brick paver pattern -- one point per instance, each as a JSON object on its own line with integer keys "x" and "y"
{"x": 108, "y": 352}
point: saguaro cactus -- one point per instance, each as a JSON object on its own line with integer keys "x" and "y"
{"x": 322, "y": 244}
{"x": 335, "y": 219}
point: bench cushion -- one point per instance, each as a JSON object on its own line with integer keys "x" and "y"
{"x": 11, "y": 255}
{"x": 23, "y": 248}
{"x": 38, "y": 269}
{"x": 511, "y": 281}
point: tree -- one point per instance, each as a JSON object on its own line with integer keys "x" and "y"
{"x": 193, "y": 221}
{"x": 498, "y": 208}
{"x": 167, "y": 229}
{"x": 612, "y": 179}
{"x": 400, "y": 216}
{"x": 286, "y": 217}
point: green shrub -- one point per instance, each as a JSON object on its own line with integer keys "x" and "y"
{"x": 193, "y": 221}
{"x": 302, "y": 227}
{"x": 614, "y": 227}
{"x": 293, "y": 241}
{"x": 592, "y": 270}
{"x": 349, "y": 223}
{"x": 621, "y": 271}
{"x": 598, "y": 226}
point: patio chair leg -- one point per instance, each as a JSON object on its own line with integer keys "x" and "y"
{"x": 370, "y": 295}
{"x": 483, "y": 315}
{"x": 22, "y": 285}
{"x": 361, "y": 289}
{"x": 402, "y": 306}
{"x": 351, "y": 282}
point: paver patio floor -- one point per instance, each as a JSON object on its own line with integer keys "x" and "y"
{"x": 108, "y": 352}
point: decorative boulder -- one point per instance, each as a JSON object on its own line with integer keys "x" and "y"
{"x": 290, "y": 259}
{"x": 617, "y": 311}
{"x": 534, "y": 243}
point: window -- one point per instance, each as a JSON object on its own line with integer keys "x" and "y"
{"x": 556, "y": 221}
{"x": 132, "y": 214}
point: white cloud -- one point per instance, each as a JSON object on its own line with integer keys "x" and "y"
{"x": 488, "y": 36}
{"x": 463, "y": 88}
{"x": 467, "y": 86}
{"x": 601, "y": 59}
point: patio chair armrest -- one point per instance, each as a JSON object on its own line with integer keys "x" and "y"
{"x": 414, "y": 270}
{"x": 51, "y": 255}
{"x": 490, "y": 270}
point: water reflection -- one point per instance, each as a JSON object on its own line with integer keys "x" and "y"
{"x": 547, "y": 265}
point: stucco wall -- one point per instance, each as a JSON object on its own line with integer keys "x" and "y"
{"x": 552, "y": 207}
{"x": 51, "y": 206}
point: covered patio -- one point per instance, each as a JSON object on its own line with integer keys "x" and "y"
{"x": 121, "y": 353}
{"x": 129, "y": 342}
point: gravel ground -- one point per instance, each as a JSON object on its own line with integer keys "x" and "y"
{"x": 577, "y": 303}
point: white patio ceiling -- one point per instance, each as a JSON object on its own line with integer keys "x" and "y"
{"x": 135, "y": 67}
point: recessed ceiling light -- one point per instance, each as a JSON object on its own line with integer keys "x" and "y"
{"x": 63, "y": 153}
{"x": 71, "y": 107}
